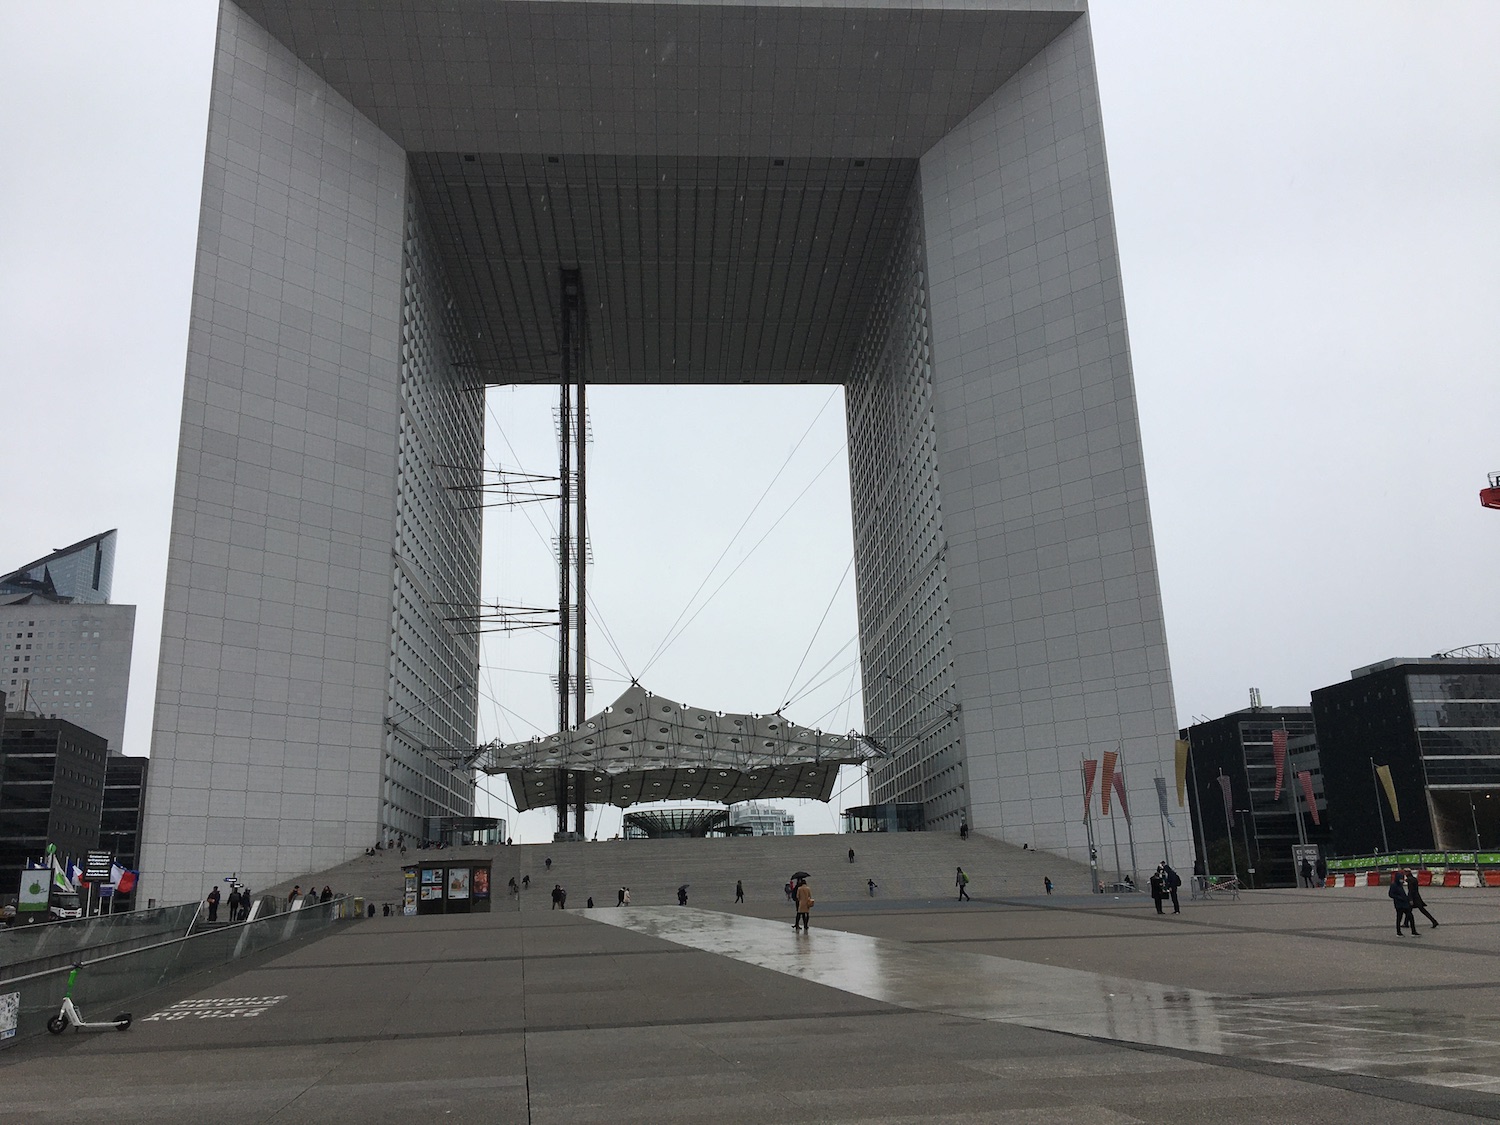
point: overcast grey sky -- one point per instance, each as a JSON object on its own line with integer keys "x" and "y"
{"x": 1305, "y": 198}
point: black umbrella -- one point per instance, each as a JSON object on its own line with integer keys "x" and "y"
{"x": 683, "y": 889}
{"x": 800, "y": 874}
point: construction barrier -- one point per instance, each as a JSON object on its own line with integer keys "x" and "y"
{"x": 1450, "y": 878}
{"x": 1424, "y": 878}
{"x": 1374, "y": 879}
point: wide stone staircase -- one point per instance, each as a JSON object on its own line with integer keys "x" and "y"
{"x": 904, "y": 865}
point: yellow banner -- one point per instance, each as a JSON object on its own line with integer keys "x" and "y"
{"x": 1384, "y": 773}
{"x": 1182, "y": 759}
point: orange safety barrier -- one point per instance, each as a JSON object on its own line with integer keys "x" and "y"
{"x": 1491, "y": 878}
{"x": 1424, "y": 878}
{"x": 1450, "y": 878}
{"x": 1373, "y": 879}
{"x": 1349, "y": 878}
{"x": 1331, "y": 881}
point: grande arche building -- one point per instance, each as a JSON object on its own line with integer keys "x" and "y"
{"x": 907, "y": 200}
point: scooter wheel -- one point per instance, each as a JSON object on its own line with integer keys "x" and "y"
{"x": 122, "y": 1021}
{"x": 58, "y": 1024}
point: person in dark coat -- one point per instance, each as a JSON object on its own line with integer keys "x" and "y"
{"x": 326, "y": 895}
{"x": 1158, "y": 889}
{"x": 1414, "y": 897}
{"x": 1402, "y": 904}
{"x": 234, "y": 904}
{"x": 739, "y": 890}
{"x": 1171, "y": 881}
{"x": 559, "y": 898}
{"x": 1306, "y": 871}
{"x": 213, "y": 905}
{"x": 246, "y": 902}
{"x": 851, "y": 855}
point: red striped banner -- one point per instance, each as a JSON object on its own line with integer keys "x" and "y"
{"x": 1090, "y": 767}
{"x": 1278, "y": 755}
{"x": 1312, "y": 806}
{"x": 1110, "y": 758}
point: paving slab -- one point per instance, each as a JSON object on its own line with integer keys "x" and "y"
{"x": 666, "y": 1014}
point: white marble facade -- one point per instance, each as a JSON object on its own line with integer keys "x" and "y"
{"x": 1056, "y": 619}
{"x": 1009, "y": 604}
{"x": 271, "y": 700}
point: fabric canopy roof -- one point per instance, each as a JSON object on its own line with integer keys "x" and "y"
{"x": 646, "y": 747}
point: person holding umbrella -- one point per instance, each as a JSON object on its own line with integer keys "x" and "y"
{"x": 682, "y": 894}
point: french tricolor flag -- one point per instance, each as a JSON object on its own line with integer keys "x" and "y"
{"x": 123, "y": 879}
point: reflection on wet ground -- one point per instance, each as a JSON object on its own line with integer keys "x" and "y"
{"x": 1437, "y": 1049}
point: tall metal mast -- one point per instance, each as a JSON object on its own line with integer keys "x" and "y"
{"x": 570, "y": 682}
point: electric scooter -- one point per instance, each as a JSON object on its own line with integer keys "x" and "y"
{"x": 69, "y": 1015}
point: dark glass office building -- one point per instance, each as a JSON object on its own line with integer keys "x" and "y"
{"x": 51, "y": 791}
{"x": 1436, "y": 723}
{"x": 123, "y": 814}
{"x": 1240, "y": 746}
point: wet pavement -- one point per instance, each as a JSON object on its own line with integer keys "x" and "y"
{"x": 1435, "y": 1048}
{"x": 888, "y": 1013}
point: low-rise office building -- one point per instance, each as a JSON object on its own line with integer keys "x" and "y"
{"x": 51, "y": 792}
{"x": 1435, "y": 723}
{"x": 1258, "y": 835}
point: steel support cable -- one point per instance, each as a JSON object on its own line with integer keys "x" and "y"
{"x": 704, "y": 605}
{"x": 668, "y": 638}
{"x": 808, "y": 651}
{"x": 853, "y": 665}
{"x": 807, "y": 690}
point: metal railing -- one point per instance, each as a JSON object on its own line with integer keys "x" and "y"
{"x": 108, "y": 983}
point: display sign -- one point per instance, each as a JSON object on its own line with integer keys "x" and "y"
{"x": 432, "y": 891}
{"x": 458, "y": 882}
{"x": 432, "y": 875}
{"x": 479, "y": 884}
{"x": 96, "y": 868}
{"x": 409, "y": 895}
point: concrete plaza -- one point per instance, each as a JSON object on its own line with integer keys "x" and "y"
{"x": 1280, "y": 1006}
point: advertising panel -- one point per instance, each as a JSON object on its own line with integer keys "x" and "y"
{"x": 458, "y": 882}
{"x": 409, "y": 895}
{"x": 432, "y": 891}
{"x": 36, "y": 883}
{"x": 479, "y": 885}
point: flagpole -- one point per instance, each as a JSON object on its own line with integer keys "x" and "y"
{"x": 1385, "y": 844}
{"x": 1088, "y": 826}
{"x": 1161, "y": 817}
{"x": 1234, "y": 862}
{"x": 1135, "y": 872}
{"x": 1202, "y": 826}
{"x": 1115, "y": 832}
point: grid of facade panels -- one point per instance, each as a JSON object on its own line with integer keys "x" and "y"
{"x": 69, "y": 661}
{"x": 434, "y": 646}
{"x": 911, "y": 705}
{"x": 1458, "y": 728}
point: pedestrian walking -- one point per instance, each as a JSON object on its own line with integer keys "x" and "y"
{"x": 739, "y": 890}
{"x": 620, "y": 897}
{"x": 213, "y": 904}
{"x": 590, "y": 904}
{"x": 291, "y": 899}
{"x": 526, "y": 882}
{"x": 626, "y": 901}
{"x": 549, "y": 863}
{"x": 682, "y": 895}
{"x": 872, "y": 885}
{"x": 234, "y": 904}
{"x": 1047, "y": 882}
{"x": 515, "y": 890}
{"x": 961, "y": 881}
{"x": 963, "y": 830}
{"x": 791, "y": 889}
{"x": 245, "y": 903}
{"x": 326, "y": 895}
{"x": 851, "y": 855}
{"x": 1306, "y": 871}
{"x": 1414, "y": 898}
{"x": 1158, "y": 889}
{"x": 804, "y": 907}
{"x": 1172, "y": 881}
{"x": 1402, "y": 904}
{"x": 1322, "y": 872}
